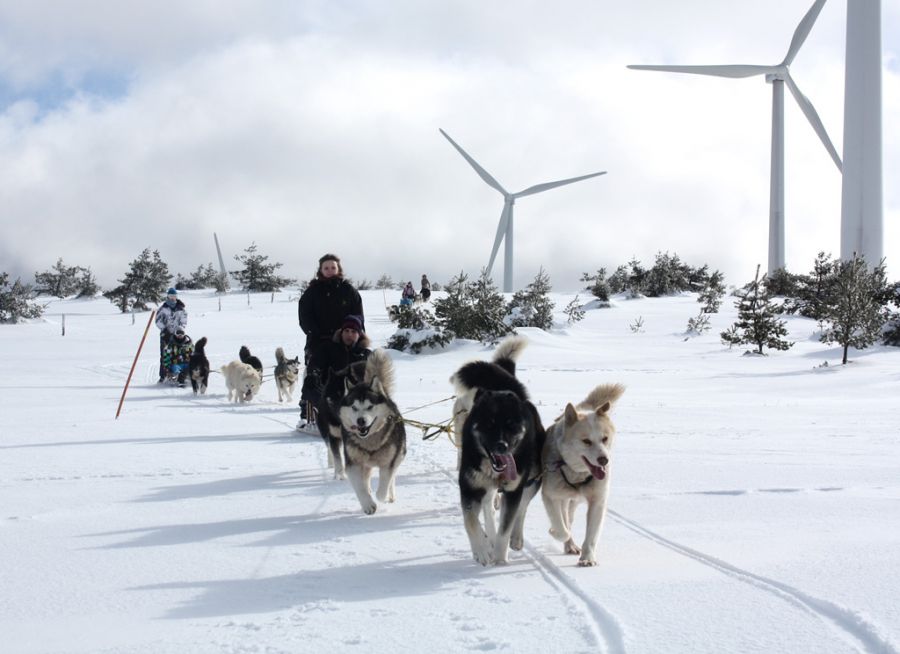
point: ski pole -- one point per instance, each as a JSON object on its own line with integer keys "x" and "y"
{"x": 134, "y": 363}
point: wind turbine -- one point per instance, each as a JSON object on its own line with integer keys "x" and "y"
{"x": 778, "y": 75}
{"x": 862, "y": 214}
{"x": 505, "y": 227}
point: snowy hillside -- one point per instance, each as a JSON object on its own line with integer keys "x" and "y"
{"x": 755, "y": 500}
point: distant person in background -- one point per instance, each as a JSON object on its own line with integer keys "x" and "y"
{"x": 170, "y": 317}
{"x": 321, "y": 309}
{"x": 425, "y": 289}
{"x": 409, "y": 295}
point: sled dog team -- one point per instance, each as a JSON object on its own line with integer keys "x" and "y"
{"x": 505, "y": 455}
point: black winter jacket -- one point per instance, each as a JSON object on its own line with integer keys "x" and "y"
{"x": 323, "y": 306}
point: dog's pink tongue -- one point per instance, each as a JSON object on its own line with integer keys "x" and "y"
{"x": 597, "y": 471}
{"x": 510, "y": 473}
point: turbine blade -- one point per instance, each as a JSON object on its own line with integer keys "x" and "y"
{"x": 501, "y": 232}
{"x": 802, "y": 31}
{"x": 813, "y": 117}
{"x": 731, "y": 70}
{"x": 538, "y": 188}
{"x": 490, "y": 181}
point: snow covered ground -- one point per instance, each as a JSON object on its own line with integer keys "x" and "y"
{"x": 755, "y": 501}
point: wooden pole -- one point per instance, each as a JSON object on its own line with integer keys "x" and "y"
{"x": 64, "y": 325}
{"x": 134, "y": 363}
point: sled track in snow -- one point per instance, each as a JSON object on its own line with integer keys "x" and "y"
{"x": 847, "y": 622}
{"x": 602, "y": 629}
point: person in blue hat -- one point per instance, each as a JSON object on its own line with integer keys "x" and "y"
{"x": 171, "y": 317}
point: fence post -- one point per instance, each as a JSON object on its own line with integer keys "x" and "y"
{"x": 64, "y": 324}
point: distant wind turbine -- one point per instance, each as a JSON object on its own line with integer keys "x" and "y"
{"x": 505, "y": 227}
{"x": 778, "y": 75}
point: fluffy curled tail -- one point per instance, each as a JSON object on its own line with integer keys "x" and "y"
{"x": 508, "y": 352}
{"x": 279, "y": 355}
{"x": 379, "y": 366}
{"x": 199, "y": 345}
{"x": 601, "y": 395}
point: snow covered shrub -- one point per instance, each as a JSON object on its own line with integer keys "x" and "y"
{"x": 60, "y": 281}
{"x": 668, "y": 276}
{"x": 712, "y": 293}
{"x": 384, "y": 282}
{"x": 891, "y": 334}
{"x": 203, "y": 277}
{"x": 531, "y": 307}
{"x": 145, "y": 282}
{"x": 597, "y": 284}
{"x": 698, "y": 324}
{"x": 638, "y": 325}
{"x": 574, "y": 311}
{"x": 811, "y": 293}
{"x": 757, "y": 322}
{"x": 856, "y": 313}
{"x": 415, "y": 330}
{"x": 471, "y": 309}
{"x": 16, "y": 301}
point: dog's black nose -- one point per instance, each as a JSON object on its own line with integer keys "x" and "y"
{"x": 602, "y": 460}
{"x": 361, "y": 422}
{"x": 502, "y": 447}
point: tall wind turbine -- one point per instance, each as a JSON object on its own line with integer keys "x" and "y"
{"x": 778, "y": 75}
{"x": 862, "y": 213}
{"x": 505, "y": 227}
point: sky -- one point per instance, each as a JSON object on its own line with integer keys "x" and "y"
{"x": 312, "y": 127}
{"x": 752, "y": 507}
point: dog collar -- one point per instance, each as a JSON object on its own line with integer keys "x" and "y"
{"x": 559, "y": 465}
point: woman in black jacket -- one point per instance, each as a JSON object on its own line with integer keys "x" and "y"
{"x": 321, "y": 310}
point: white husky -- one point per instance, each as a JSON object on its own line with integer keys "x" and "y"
{"x": 241, "y": 380}
{"x": 576, "y": 459}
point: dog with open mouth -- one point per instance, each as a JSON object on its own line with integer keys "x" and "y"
{"x": 501, "y": 441}
{"x": 371, "y": 430}
{"x": 576, "y": 458}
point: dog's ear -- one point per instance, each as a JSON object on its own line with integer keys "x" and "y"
{"x": 603, "y": 409}
{"x": 377, "y": 387}
{"x": 348, "y": 385}
{"x": 571, "y": 415}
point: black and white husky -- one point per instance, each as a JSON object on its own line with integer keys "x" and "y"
{"x": 368, "y": 424}
{"x": 287, "y": 372}
{"x": 501, "y": 443}
{"x": 198, "y": 368}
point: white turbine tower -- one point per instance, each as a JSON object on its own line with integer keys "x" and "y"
{"x": 505, "y": 227}
{"x": 862, "y": 214}
{"x": 778, "y": 75}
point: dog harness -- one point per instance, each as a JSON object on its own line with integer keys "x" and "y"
{"x": 559, "y": 465}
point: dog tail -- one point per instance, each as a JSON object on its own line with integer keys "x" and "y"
{"x": 508, "y": 351}
{"x": 601, "y": 395}
{"x": 279, "y": 355}
{"x": 199, "y": 345}
{"x": 244, "y": 353}
{"x": 380, "y": 366}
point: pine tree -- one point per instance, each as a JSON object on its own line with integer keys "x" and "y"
{"x": 532, "y": 307}
{"x": 598, "y": 285}
{"x": 86, "y": 285}
{"x": 146, "y": 281}
{"x": 892, "y": 331}
{"x": 757, "y": 322}
{"x": 16, "y": 301}
{"x": 855, "y": 316}
{"x": 712, "y": 293}
{"x": 471, "y": 309}
{"x": 384, "y": 282}
{"x": 574, "y": 311}
{"x": 257, "y": 275}
{"x": 60, "y": 281}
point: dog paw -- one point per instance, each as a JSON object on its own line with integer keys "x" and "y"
{"x": 516, "y": 543}
{"x": 560, "y": 535}
{"x": 572, "y": 548}
{"x": 484, "y": 554}
{"x": 369, "y": 508}
{"x": 586, "y": 563}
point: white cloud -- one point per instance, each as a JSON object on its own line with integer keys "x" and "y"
{"x": 311, "y": 128}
